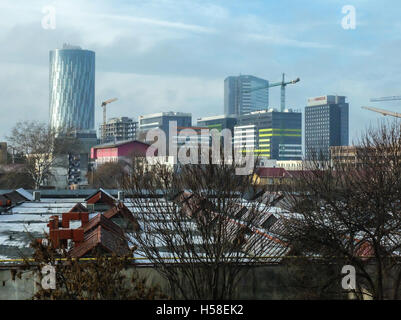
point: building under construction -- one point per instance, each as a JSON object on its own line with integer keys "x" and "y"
{"x": 119, "y": 129}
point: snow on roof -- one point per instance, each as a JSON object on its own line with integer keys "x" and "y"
{"x": 100, "y": 190}
{"x": 29, "y": 219}
{"x": 108, "y": 194}
{"x": 25, "y": 194}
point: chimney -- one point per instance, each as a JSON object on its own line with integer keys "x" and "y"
{"x": 36, "y": 196}
{"x": 121, "y": 196}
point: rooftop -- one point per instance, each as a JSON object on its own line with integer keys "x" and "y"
{"x": 118, "y": 143}
{"x": 22, "y": 223}
{"x": 166, "y": 114}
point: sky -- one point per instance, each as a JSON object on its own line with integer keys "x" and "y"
{"x": 173, "y": 55}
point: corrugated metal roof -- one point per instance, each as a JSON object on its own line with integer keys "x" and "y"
{"x": 32, "y": 218}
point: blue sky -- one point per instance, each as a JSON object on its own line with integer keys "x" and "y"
{"x": 174, "y": 55}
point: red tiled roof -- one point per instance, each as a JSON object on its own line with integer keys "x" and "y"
{"x": 102, "y": 197}
{"x": 120, "y": 143}
{"x": 79, "y": 207}
{"x": 271, "y": 172}
{"x": 101, "y": 238}
{"x": 101, "y": 220}
{"x": 122, "y": 211}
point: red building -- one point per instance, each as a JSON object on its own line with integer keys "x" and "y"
{"x": 123, "y": 150}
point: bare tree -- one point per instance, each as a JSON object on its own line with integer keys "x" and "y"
{"x": 97, "y": 278}
{"x": 196, "y": 226}
{"x": 108, "y": 175}
{"x": 42, "y": 148}
{"x": 349, "y": 213}
{"x": 16, "y": 177}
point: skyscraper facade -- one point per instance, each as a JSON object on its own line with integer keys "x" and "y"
{"x": 270, "y": 134}
{"x": 326, "y": 125}
{"x": 72, "y": 88}
{"x": 162, "y": 120}
{"x": 239, "y": 98}
{"x": 218, "y": 122}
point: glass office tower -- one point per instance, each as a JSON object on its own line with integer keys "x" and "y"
{"x": 240, "y": 98}
{"x": 326, "y": 125}
{"x": 72, "y": 88}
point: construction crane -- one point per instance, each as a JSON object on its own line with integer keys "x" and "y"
{"x": 104, "y": 104}
{"x": 384, "y": 112}
{"x": 283, "y": 84}
{"x": 392, "y": 98}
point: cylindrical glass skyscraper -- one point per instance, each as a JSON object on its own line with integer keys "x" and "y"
{"x": 72, "y": 88}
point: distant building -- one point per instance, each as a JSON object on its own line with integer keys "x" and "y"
{"x": 86, "y": 139}
{"x": 119, "y": 151}
{"x": 344, "y": 153}
{"x": 72, "y": 88}
{"x": 119, "y": 129}
{"x": 270, "y": 176}
{"x": 326, "y": 125}
{"x": 218, "y": 122}
{"x": 288, "y": 165}
{"x": 61, "y": 174}
{"x": 192, "y": 136}
{"x": 238, "y": 99}
{"x": 292, "y": 165}
{"x": 270, "y": 134}
{"x": 162, "y": 121}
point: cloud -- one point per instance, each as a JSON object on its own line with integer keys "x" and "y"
{"x": 282, "y": 41}
{"x": 174, "y": 55}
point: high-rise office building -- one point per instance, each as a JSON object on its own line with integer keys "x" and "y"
{"x": 326, "y": 125}
{"x": 270, "y": 134}
{"x": 72, "y": 88}
{"x": 192, "y": 136}
{"x": 240, "y": 99}
{"x": 162, "y": 121}
{"x": 119, "y": 129}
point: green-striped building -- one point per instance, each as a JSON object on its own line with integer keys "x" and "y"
{"x": 270, "y": 134}
{"x": 218, "y": 122}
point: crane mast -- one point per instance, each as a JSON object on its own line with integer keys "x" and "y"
{"x": 103, "y": 105}
{"x": 282, "y": 84}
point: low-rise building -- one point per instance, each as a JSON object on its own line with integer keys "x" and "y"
{"x": 120, "y": 151}
{"x": 344, "y": 154}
